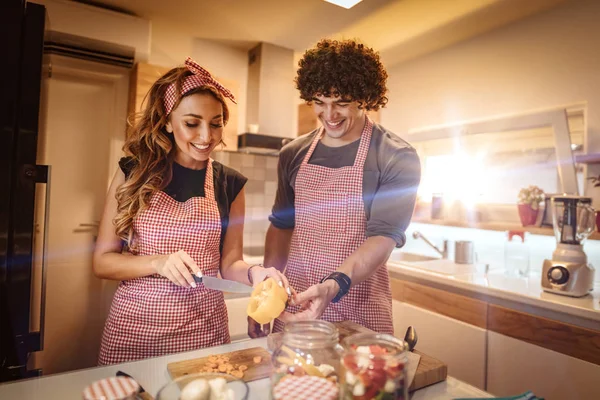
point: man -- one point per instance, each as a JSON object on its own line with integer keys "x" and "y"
{"x": 345, "y": 195}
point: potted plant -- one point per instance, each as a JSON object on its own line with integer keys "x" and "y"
{"x": 596, "y": 182}
{"x": 529, "y": 204}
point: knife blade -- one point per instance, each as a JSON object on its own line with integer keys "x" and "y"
{"x": 224, "y": 285}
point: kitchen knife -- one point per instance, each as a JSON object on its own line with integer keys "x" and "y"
{"x": 223, "y": 285}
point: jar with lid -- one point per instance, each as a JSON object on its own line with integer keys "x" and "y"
{"x": 113, "y": 388}
{"x": 373, "y": 366}
{"x": 306, "y": 364}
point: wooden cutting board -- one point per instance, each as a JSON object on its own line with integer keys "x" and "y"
{"x": 241, "y": 357}
{"x": 429, "y": 371}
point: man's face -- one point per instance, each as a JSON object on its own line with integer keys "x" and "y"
{"x": 340, "y": 116}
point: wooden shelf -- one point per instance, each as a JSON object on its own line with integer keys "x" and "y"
{"x": 497, "y": 226}
{"x": 588, "y": 158}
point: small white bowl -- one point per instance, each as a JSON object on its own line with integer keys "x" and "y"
{"x": 172, "y": 390}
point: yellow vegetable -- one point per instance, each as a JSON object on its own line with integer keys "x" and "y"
{"x": 297, "y": 359}
{"x": 267, "y": 301}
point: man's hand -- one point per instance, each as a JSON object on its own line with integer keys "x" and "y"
{"x": 256, "y": 331}
{"x": 314, "y": 301}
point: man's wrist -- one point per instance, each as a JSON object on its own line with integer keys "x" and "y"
{"x": 343, "y": 283}
{"x": 332, "y": 286}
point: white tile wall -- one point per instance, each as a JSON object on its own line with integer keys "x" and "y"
{"x": 261, "y": 172}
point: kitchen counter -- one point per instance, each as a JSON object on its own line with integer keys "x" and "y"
{"x": 152, "y": 374}
{"x": 522, "y": 294}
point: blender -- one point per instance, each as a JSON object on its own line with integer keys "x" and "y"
{"x": 568, "y": 272}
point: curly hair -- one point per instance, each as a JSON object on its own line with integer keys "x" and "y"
{"x": 343, "y": 68}
{"x": 152, "y": 151}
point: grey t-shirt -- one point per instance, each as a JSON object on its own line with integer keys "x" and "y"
{"x": 392, "y": 173}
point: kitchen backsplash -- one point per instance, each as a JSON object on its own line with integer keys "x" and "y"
{"x": 261, "y": 171}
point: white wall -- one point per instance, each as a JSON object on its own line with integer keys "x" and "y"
{"x": 547, "y": 60}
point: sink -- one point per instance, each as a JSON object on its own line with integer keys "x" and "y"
{"x": 410, "y": 257}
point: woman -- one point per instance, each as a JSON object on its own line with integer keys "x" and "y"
{"x": 177, "y": 212}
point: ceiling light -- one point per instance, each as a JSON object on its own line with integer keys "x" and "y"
{"x": 344, "y": 3}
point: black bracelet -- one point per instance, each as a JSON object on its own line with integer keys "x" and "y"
{"x": 343, "y": 281}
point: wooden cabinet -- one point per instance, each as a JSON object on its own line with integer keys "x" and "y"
{"x": 514, "y": 366}
{"x": 461, "y": 346}
{"x": 500, "y": 350}
{"x": 143, "y": 77}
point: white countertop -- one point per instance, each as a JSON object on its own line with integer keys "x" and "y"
{"x": 518, "y": 291}
{"x": 152, "y": 375}
{"x": 526, "y": 291}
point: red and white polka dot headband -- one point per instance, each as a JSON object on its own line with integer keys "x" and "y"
{"x": 200, "y": 77}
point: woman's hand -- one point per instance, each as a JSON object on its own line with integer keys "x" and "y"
{"x": 176, "y": 267}
{"x": 259, "y": 274}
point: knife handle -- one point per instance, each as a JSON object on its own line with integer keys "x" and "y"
{"x": 145, "y": 396}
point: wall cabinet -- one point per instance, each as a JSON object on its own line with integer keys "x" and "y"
{"x": 144, "y": 75}
{"x": 514, "y": 366}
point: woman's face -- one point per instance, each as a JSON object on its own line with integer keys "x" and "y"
{"x": 197, "y": 125}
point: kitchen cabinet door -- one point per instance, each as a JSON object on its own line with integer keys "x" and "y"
{"x": 461, "y": 346}
{"x": 515, "y": 366}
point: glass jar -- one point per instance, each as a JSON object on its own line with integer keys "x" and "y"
{"x": 373, "y": 367}
{"x": 113, "y": 388}
{"x": 306, "y": 364}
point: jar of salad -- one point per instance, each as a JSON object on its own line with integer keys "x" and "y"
{"x": 373, "y": 367}
{"x": 306, "y": 364}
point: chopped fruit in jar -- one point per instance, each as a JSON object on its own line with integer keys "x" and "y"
{"x": 390, "y": 386}
{"x": 296, "y": 359}
{"x": 369, "y": 374}
{"x": 326, "y": 369}
{"x": 267, "y": 301}
{"x": 257, "y": 359}
{"x": 358, "y": 390}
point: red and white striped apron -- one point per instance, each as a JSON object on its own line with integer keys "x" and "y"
{"x": 151, "y": 316}
{"x": 330, "y": 225}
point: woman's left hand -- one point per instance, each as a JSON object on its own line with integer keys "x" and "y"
{"x": 259, "y": 274}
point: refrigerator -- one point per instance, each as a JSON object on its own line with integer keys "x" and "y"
{"x": 22, "y": 182}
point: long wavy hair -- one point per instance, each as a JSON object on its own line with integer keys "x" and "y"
{"x": 151, "y": 150}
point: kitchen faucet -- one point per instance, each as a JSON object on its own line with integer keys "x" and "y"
{"x": 443, "y": 252}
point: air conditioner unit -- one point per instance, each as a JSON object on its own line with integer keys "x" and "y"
{"x": 84, "y": 31}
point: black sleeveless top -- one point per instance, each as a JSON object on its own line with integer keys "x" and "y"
{"x": 187, "y": 183}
